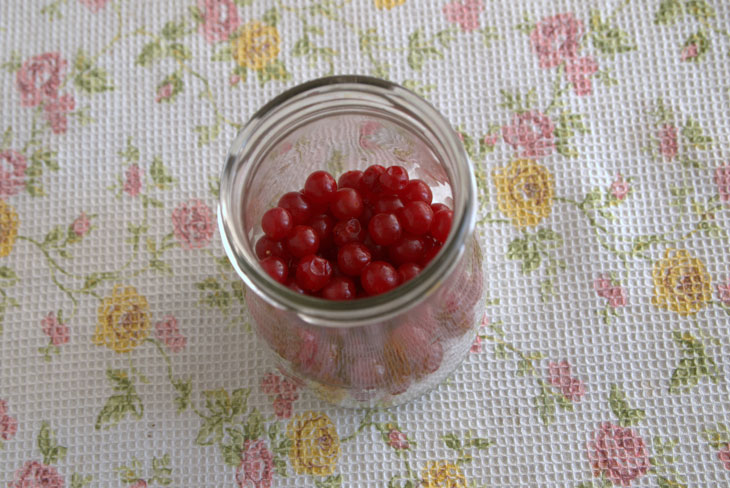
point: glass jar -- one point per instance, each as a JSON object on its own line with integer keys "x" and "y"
{"x": 381, "y": 350}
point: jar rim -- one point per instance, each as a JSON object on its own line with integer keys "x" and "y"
{"x": 343, "y": 314}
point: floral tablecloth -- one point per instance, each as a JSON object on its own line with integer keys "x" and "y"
{"x": 599, "y": 132}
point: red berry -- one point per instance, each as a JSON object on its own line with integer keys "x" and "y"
{"x": 299, "y": 208}
{"x": 430, "y": 249}
{"x": 379, "y": 253}
{"x": 277, "y": 223}
{"x": 387, "y": 204}
{"x": 320, "y": 188}
{"x": 339, "y": 288}
{"x": 409, "y": 249}
{"x": 303, "y": 240}
{"x": 385, "y": 229}
{"x": 379, "y": 277}
{"x": 276, "y": 268}
{"x": 348, "y": 231}
{"x": 350, "y": 179}
{"x": 439, "y": 206}
{"x": 346, "y": 204}
{"x": 353, "y": 257}
{"x": 323, "y": 225}
{"x": 367, "y": 214}
{"x": 371, "y": 176}
{"x": 313, "y": 273}
{"x": 266, "y": 247}
{"x": 416, "y": 217}
{"x": 441, "y": 225}
{"x": 408, "y": 271}
{"x": 394, "y": 179}
{"x": 417, "y": 190}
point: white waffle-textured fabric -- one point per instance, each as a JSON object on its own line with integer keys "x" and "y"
{"x": 604, "y": 355}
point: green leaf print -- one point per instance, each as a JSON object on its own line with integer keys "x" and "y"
{"x": 620, "y": 407}
{"x": 125, "y": 401}
{"x": 210, "y": 432}
{"x": 421, "y": 49}
{"x": 151, "y": 52}
{"x": 527, "y": 251}
{"x": 608, "y": 39}
{"x": 223, "y": 54}
{"x": 161, "y": 177}
{"x": 669, "y": 11}
{"x": 275, "y": 70}
{"x": 700, "y": 9}
{"x": 718, "y": 438}
{"x": 93, "y": 80}
{"x": 172, "y": 30}
{"x": 231, "y": 455}
{"x": 207, "y": 133}
{"x": 79, "y": 481}
{"x": 271, "y": 17}
{"x": 695, "y": 135}
{"x": 47, "y": 445}
{"x": 694, "y": 367}
{"x": 545, "y": 403}
{"x": 334, "y": 481}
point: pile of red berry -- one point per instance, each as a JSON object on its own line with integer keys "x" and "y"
{"x": 360, "y": 236}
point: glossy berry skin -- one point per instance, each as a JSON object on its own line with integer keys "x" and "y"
{"x": 277, "y": 223}
{"x": 313, "y": 273}
{"x": 266, "y": 247}
{"x": 408, "y": 271}
{"x": 339, "y": 288}
{"x": 416, "y": 191}
{"x": 346, "y": 204}
{"x": 353, "y": 257}
{"x": 371, "y": 178}
{"x": 430, "y": 249}
{"x": 387, "y": 204}
{"x": 350, "y": 179}
{"x": 302, "y": 241}
{"x": 379, "y": 277}
{"x": 365, "y": 216}
{"x": 323, "y": 225}
{"x": 292, "y": 285}
{"x": 385, "y": 229}
{"x": 416, "y": 218}
{"x": 394, "y": 179}
{"x": 379, "y": 253}
{"x": 299, "y": 208}
{"x": 320, "y": 188}
{"x": 441, "y": 225}
{"x": 439, "y": 206}
{"x": 408, "y": 249}
{"x": 348, "y": 231}
{"x": 276, "y": 268}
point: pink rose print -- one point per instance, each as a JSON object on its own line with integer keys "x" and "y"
{"x": 579, "y": 74}
{"x": 139, "y": 484}
{"x": 723, "y": 293}
{"x": 81, "y": 225}
{"x": 255, "y": 470}
{"x": 132, "y": 181}
{"x": 533, "y": 132}
{"x": 193, "y": 224}
{"x": 282, "y": 408}
{"x": 8, "y": 424}
{"x": 560, "y": 377}
{"x": 367, "y": 130}
{"x": 270, "y": 384}
{"x": 689, "y": 52}
{"x": 465, "y": 13}
{"x": 12, "y": 173}
{"x": 619, "y": 454}
{"x": 397, "y": 439}
{"x": 164, "y": 92}
{"x": 58, "y": 332}
{"x": 477, "y": 344}
{"x": 37, "y": 475}
{"x": 724, "y": 456}
{"x": 39, "y": 78}
{"x": 606, "y": 289}
{"x": 167, "y": 332}
{"x": 233, "y": 80}
{"x": 722, "y": 180}
{"x": 555, "y": 39}
{"x": 490, "y": 140}
{"x": 668, "y": 145}
{"x": 220, "y": 18}
{"x": 56, "y": 111}
{"x": 620, "y": 188}
{"x": 94, "y": 5}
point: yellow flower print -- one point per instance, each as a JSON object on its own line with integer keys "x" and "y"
{"x": 443, "y": 474}
{"x": 315, "y": 444}
{"x": 388, "y": 4}
{"x": 681, "y": 283}
{"x": 8, "y": 228}
{"x": 257, "y": 45}
{"x": 124, "y": 320}
{"x": 524, "y": 192}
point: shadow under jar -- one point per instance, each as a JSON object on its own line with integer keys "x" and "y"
{"x": 380, "y": 350}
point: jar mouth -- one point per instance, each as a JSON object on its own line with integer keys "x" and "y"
{"x": 351, "y": 93}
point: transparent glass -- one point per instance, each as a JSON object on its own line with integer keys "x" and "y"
{"x": 381, "y": 350}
